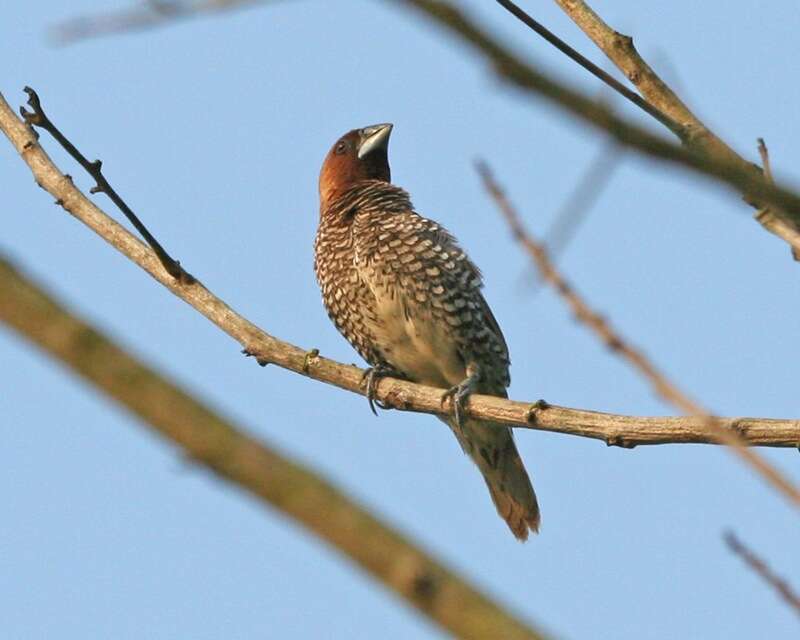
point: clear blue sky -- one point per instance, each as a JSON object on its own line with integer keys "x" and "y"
{"x": 214, "y": 130}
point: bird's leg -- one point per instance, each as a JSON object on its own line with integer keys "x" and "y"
{"x": 459, "y": 394}
{"x": 372, "y": 376}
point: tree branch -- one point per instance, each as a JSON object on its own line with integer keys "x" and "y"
{"x": 731, "y": 170}
{"x": 434, "y": 590}
{"x": 619, "y": 430}
{"x": 149, "y": 15}
{"x": 760, "y": 568}
{"x": 635, "y": 357}
{"x": 620, "y": 50}
{"x": 592, "y": 68}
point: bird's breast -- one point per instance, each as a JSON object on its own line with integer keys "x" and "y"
{"x": 412, "y": 339}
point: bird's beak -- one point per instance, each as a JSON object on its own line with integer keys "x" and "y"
{"x": 373, "y": 138}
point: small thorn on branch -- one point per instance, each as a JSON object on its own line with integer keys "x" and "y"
{"x": 253, "y": 353}
{"x": 620, "y": 441}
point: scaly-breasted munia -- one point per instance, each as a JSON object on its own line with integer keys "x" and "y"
{"x": 409, "y": 300}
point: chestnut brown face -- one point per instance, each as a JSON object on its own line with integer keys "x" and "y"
{"x": 361, "y": 154}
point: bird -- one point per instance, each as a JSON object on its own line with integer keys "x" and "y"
{"x": 407, "y": 297}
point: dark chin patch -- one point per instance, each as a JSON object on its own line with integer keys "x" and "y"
{"x": 376, "y": 165}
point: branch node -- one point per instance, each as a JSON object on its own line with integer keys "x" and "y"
{"x": 532, "y": 415}
{"x": 738, "y": 425}
{"x": 425, "y": 586}
{"x": 313, "y": 354}
{"x": 622, "y": 41}
{"x": 254, "y": 353}
{"x": 620, "y": 441}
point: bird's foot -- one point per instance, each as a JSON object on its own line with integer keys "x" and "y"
{"x": 460, "y": 393}
{"x": 371, "y": 378}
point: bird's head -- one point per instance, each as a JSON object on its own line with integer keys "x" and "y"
{"x": 361, "y": 154}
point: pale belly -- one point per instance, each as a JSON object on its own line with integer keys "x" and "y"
{"x": 415, "y": 344}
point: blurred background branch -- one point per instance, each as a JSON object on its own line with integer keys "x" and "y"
{"x": 762, "y": 570}
{"x": 207, "y": 438}
{"x": 622, "y": 347}
{"x": 703, "y": 152}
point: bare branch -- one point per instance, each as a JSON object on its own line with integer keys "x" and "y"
{"x": 766, "y": 217}
{"x": 626, "y": 431}
{"x": 729, "y": 169}
{"x": 95, "y": 169}
{"x": 758, "y": 566}
{"x": 583, "y": 196}
{"x": 592, "y": 68}
{"x": 714, "y": 428}
{"x": 613, "y": 429}
{"x": 391, "y": 558}
{"x": 726, "y": 168}
{"x": 620, "y": 50}
{"x": 152, "y": 14}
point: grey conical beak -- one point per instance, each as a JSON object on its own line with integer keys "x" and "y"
{"x": 374, "y": 137}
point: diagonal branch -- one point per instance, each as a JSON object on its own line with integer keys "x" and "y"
{"x": 586, "y": 192}
{"x": 626, "y": 431}
{"x": 95, "y": 169}
{"x": 433, "y": 589}
{"x": 619, "y": 48}
{"x": 758, "y": 566}
{"x": 150, "y": 15}
{"x": 592, "y": 68}
{"x": 635, "y": 357}
{"x": 729, "y": 169}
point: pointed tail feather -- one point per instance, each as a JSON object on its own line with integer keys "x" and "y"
{"x": 492, "y": 449}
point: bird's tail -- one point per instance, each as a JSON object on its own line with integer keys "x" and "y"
{"x": 492, "y": 448}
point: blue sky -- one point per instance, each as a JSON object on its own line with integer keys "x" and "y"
{"x": 214, "y": 131}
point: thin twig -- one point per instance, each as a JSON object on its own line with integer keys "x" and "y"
{"x": 253, "y": 466}
{"x": 617, "y": 430}
{"x": 620, "y": 50}
{"x": 39, "y": 119}
{"x": 636, "y": 358}
{"x": 580, "y": 200}
{"x": 592, "y": 68}
{"x": 725, "y": 167}
{"x": 728, "y": 168}
{"x": 766, "y": 217}
{"x": 758, "y": 566}
{"x": 139, "y": 18}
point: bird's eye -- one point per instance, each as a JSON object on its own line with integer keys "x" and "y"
{"x": 340, "y": 148}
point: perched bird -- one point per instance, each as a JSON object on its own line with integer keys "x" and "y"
{"x": 408, "y": 299}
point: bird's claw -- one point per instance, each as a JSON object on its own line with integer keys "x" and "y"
{"x": 371, "y": 378}
{"x": 458, "y": 395}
